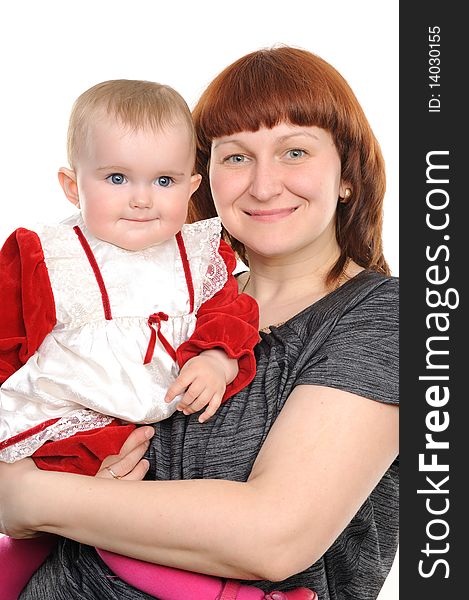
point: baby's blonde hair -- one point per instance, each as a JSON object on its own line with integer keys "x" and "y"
{"x": 134, "y": 103}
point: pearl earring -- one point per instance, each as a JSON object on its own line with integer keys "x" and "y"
{"x": 346, "y": 197}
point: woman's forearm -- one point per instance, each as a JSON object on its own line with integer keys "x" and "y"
{"x": 209, "y": 526}
{"x": 302, "y": 492}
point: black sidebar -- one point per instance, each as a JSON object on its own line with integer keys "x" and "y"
{"x": 434, "y": 256}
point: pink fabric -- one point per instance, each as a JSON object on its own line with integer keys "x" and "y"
{"x": 19, "y": 559}
{"x": 172, "y": 584}
{"x": 230, "y": 590}
{"x": 296, "y": 594}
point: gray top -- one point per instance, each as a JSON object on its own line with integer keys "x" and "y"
{"x": 347, "y": 340}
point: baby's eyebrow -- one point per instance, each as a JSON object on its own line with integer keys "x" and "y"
{"x": 112, "y": 168}
{"x": 158, "y": 173}
{"x": 172, "y": 173}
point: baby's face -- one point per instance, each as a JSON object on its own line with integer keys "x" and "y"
{"x": 134, "y": 186}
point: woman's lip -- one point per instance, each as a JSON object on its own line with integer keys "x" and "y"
{"x": 271, "y": 215}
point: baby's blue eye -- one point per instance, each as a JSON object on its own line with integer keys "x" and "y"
{"x": 164, "y": 181}
{"x": 116, "y": 178}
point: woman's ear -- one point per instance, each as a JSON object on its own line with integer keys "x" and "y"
{"x": 345, "y": 192}
{"x": 68, "y": 182}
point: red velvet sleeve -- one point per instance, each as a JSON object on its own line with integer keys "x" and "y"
{"x": 229, "y": 321}
{"x": 26, "y": 300}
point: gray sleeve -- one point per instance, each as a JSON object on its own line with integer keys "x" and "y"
{"x": 361, "y": 354}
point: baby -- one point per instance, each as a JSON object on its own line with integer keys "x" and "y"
{"x": 121, "y": 314}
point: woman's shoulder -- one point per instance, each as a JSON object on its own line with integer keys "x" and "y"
{"x": 350, "y": 341}
{"x": 386, "y": 284}
{"x": 371, "y": 284}
{"x": 367, "y": 293}
{"x": 377, "y": 295}
{"x": 370, "y": 288}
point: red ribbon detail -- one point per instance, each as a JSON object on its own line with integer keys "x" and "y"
{"x": 155, "y": 319}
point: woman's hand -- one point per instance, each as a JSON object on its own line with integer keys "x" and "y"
{"x": 129, "y": 464}
{"x": 20, "y": 481}
{"x": 14, "y": 493}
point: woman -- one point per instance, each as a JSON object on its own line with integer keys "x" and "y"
{"x": 294, "y": 481}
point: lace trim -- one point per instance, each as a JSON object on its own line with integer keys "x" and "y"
{"x": 81, "y": 420}
{"x": 216, "y": 275}
{"x": 59, "y": 239}
{"x": 71, "y": 269}
{"x": 202, "y": 240}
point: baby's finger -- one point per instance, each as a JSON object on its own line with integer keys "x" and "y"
{"x": 175, "y": 389}
{"x": 199, "y": 403}
{"x": 193, "y": 392}
{"x": 211, "y": 409}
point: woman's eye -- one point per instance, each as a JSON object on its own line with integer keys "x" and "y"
{"x": 235, "y": 159}
{"x": 296, "y": 153}
{"x": 116, "y": 178}
{"x": 164, "y": 181}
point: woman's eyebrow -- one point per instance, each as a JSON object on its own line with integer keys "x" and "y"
{"x": 301, "y": 133}
{"x": 281, "y": 139}
{"x": 229, "y": 141}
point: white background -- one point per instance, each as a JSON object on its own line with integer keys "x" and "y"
{"x": 53, "y": 50}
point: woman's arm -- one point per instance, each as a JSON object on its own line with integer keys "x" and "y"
{"x": 324, "y": 455}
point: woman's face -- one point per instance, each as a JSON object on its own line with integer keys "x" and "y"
{"x": 276, "y": 190}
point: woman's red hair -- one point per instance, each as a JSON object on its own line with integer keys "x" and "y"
{"x": 284, "y": 84}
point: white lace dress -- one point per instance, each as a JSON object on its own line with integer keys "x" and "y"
{"x": 90, "y": 367}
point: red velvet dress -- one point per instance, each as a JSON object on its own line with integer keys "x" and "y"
{"x": 92, "y": 335}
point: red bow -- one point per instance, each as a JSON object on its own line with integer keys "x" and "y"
{"x": 155, "y": 319}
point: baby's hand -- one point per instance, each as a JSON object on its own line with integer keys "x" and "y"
{"x": 203, "y": 381}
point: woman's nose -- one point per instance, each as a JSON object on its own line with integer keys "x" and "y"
{"x": 266, "y": 182}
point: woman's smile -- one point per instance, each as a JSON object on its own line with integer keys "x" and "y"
{"x": 272, "y": 215}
